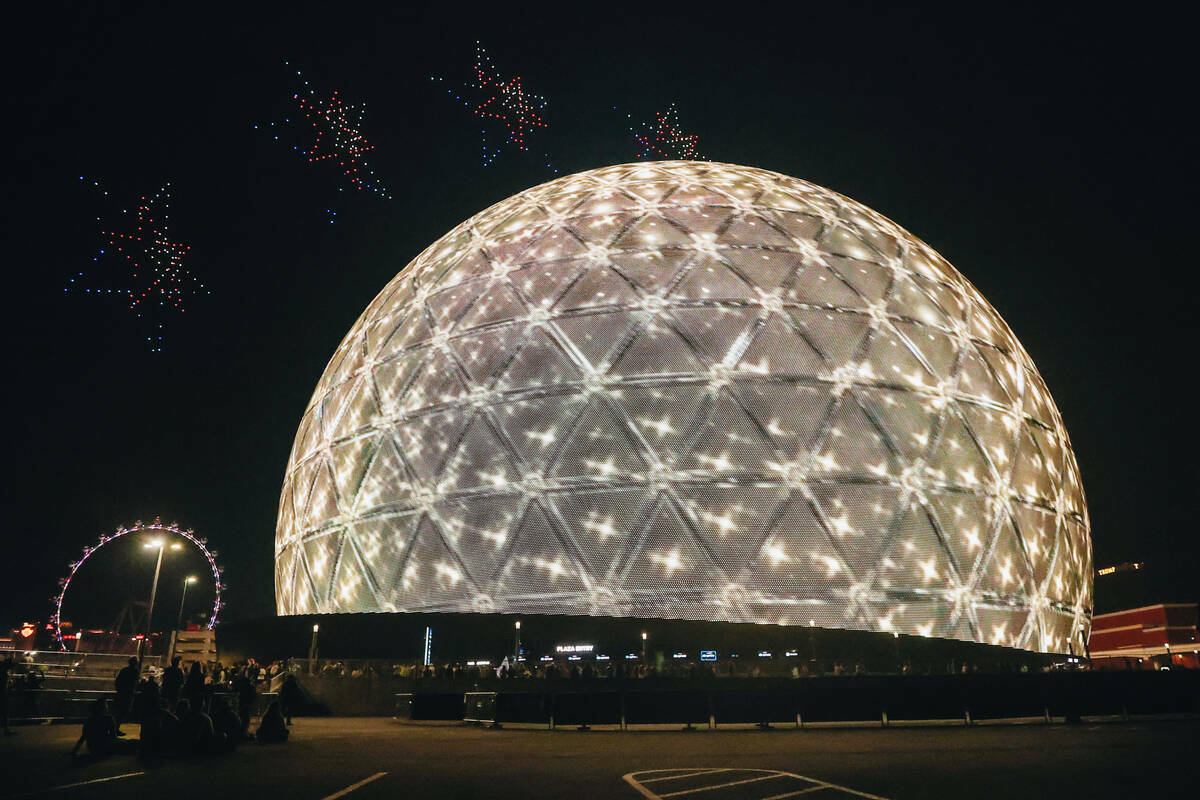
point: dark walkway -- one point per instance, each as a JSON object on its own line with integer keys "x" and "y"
{"x": 451, "y": 761}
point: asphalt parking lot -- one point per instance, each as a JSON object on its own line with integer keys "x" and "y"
{"x": 379, "y": 758}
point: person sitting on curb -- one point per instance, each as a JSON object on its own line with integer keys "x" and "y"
{"x": 290, "y": 697}
{"x": 100, "y": 733}
{"x": 226, "y": 726}
{"x": 195, "y": 729}
{"x": 273, "y": 727}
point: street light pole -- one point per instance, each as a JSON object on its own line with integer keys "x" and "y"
{"x": 517, "y": 642}
{"x": 179, "y": 618}
{"x": 161, "y": 546}
{"x": 643, "y": 647}
{"x": 312, "y": 648}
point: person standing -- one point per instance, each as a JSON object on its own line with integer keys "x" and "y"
{"x": 172, "y": 682}
{"x": 6, "y": 666}
{"x": 290, "y": 697}
{"x": 193, "y": 687}
{"x": 126, "y": 684}
{"x": 246, "y": 694}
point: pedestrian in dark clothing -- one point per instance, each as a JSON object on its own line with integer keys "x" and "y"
{"x": 227, "y": 728}
{"x": 100, "y": 732}
{"x": 146, "y": 699}
{"x": 159, "y": 731}
{"x": 273, "y": 727}
{"x": 290, "y": 697}
{"x": 246, "y": 695}
{"x": 6, "y": 666}
{"x": 195, "y": 730}
{"x": 172, "y": 682}
{"x": 193, "y": 687}
{"x": 126, "y": 685}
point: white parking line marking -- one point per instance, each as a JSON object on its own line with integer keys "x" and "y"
{"x": 796, "y": 793}
{"x": 684, "y": 774}
{"x": 75, "y": 785}
{"x": 635, "y": 780}
{"x": 723, "y": 785}
{"x": 354, "y": 786}
{"x": 847, "y": 789}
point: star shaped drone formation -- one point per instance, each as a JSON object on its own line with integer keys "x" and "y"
{"x": 337, "y": 134}
{"x": 158, "y": 284}
{"x": 664, "y": 139}
{"x": 505, "y": 102}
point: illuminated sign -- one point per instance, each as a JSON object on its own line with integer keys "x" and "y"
{"x": 630, "y": 657}
{"x": 602, "y": 657}
{"x": 574, "y": 648}
{"x": 428, "y": 645}
{"x": 764, "y": 653}
{"x": 679, "y": 655}
{"x": 791, "y": 653}
{"x": 708, "y": 655}
{"x": 1124, "y": 566}
{"x": 546, "y": 658}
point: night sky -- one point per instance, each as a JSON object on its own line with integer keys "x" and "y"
{"x": 1047, "y": 157}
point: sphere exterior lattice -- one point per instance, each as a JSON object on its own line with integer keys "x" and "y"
{"x": 688, "y": 390}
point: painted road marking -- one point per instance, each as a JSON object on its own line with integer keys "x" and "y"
{"x": 711, "y": 787}
{"x": 638, "y": 780}
{"x": 796, "y": 793}
{"x": 76, "y": 785}
{"x": 354, "y": 786}
{"x": 684, "y": 773}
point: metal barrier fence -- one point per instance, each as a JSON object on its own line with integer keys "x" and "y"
{"x": 57, "y": 663}
{"x": 74, "y": 705}
{"x": 354, "y": 667}
{"x": 964, "y": 700}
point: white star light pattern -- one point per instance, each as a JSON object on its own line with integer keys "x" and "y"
{"x": 688, "y": 390}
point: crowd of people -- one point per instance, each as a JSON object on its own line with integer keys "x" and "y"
{"x": 196, "y": 711}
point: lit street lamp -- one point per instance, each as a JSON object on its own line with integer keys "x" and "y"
{"x": 179, "y": 619}
{"x": 517, "y": 642}
{"x": 312, "y": 648}
{"x": 160, "y": 545}
{"x": 643, "y": 647}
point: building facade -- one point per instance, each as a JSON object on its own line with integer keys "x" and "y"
{"x": 1150, "y": 637}
{"x": 689, "y": 390}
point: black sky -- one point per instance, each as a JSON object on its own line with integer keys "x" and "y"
{"x": 1048, "y": 155}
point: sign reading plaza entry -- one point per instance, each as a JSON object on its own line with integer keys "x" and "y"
{"x": 708, "y": 655}
{"x": 574, "y": 648}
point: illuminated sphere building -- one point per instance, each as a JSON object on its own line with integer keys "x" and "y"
{"x": 692, "y": 391}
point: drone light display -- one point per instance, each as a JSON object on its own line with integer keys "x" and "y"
{"x": 157, "y": 283}
{"x": 500, "y": 102}
{"x": 664, "y": 139}
{"x": 138, "y": 527}
{"x": 335, "y": 128}
{"x": 688, "y": 390}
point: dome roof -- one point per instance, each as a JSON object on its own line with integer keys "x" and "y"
{"x": 688, "y": 390}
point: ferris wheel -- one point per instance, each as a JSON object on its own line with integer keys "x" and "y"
{"x": 139, "y": 527}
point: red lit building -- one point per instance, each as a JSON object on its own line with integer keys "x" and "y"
{"x": 1146, "y": 638}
